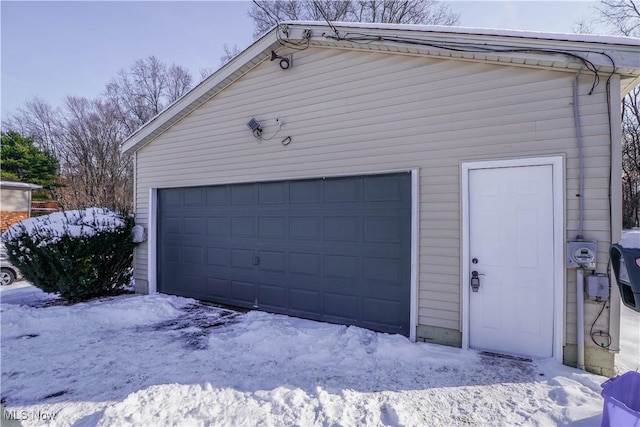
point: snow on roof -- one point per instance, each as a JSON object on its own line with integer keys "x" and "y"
{"x": 19, "y": 185}
{"x": 591, "y": 38}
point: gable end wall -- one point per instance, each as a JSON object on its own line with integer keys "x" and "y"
{"x": 351, "y": 112}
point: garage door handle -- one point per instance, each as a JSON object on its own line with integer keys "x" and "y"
{"x": 256, "y": 261}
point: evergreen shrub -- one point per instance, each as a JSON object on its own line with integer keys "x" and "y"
{"x": 79, "y": 254}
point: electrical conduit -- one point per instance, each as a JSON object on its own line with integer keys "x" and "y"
{"x": 580, "y": 271}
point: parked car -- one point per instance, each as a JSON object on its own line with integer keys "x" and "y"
{"x": 8, "y": 273}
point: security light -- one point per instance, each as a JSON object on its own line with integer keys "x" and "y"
{"x": 255, "y": 127}
{"x": 285, "y": 62}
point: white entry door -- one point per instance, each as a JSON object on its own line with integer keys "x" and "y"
{"x": 511, "y": 247}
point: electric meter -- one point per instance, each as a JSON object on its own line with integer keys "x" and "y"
{"x": 581, "y": 254}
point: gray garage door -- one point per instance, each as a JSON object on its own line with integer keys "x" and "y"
{"x": 336, "y": 250}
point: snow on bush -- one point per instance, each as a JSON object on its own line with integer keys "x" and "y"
{"x": 76, "y": 223}
{"x": 78, "y": 254}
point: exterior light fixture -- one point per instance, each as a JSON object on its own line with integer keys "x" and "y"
{"x": 255, "y": 127}
{"x": 285, "y": 63}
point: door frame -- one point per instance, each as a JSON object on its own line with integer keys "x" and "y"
{"x": 557, "y": 164}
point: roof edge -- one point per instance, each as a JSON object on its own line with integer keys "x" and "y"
{"x": 482, "y": 31}
{"x": 199, "y": 94}
{"x": 19, "y": 185}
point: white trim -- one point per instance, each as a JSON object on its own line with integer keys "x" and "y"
{"x": 415, "y": 239}
{"x": 152, "y": 242}
{"x": 557, "y": 164}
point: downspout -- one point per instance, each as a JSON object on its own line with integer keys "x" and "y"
{"x": 576, "y": 118}
{"x": 615, "y": 202}
{"x": 580, "y": 271}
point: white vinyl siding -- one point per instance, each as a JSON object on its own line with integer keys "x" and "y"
{"x": 351, "y": 112}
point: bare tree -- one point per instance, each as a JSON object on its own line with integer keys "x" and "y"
{"x": 86, "y": 134}
{"x": 266, "y": 14}
{"x": 40, "y": 121}
{"x": 631, "y": 159}
{"x": 179, "y": 81}
{"x": 623, "y": 17}
{"x": 145, "y": 89}
{"x": 405, "y": 12}
{"x": 229, "y": 53}
{"x": 206, "y": 72}
{"x": 95, "y": 172}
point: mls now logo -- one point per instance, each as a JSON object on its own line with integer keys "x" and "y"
{"x": 24, "y": 415}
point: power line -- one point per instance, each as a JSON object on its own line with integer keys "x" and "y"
{"x": 326, "y": 18}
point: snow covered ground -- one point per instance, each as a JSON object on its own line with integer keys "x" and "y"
{"x": 162, "y": 360}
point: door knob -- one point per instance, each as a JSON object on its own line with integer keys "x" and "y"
{"x": 475, "y": 281}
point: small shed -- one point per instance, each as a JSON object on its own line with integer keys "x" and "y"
{"x": 416, "y": 180}
{"x": 15, "y": 202}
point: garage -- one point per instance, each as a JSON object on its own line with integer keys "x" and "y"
{"x": 335, "y": 249}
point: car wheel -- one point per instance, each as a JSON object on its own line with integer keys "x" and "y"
{"x": 7, "y": 277}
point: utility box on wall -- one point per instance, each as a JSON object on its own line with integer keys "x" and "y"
{"x": 581, "y": 254}
{"x": 598, "y": 287}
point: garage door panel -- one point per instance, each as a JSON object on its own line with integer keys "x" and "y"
{"x": 243, "y": 259}
{"x": 342, "y": 190}
{"x": 304, "y": 300}
{"x": 218, "y": 226}
{"x": 383, "y": 188}
{"x": 243, "y": 291}
{"x": 381, "y": 313}
{"x": 194, "y": 197}
{"x": 305, "y": 228}
{"x": 384, "y": 270}
{"x": 193, "y": 255}
{"x": 243, "y": 194}
{"x": 219, "y": 287}
{"x": 272, "y": 261}
{"x": 305, "y": 264}
{"x": 273, "y": 193}
{"x": 272, "y": 227}
{"x": 171, "y": 198}
{"x": 171, "y": 254}
{"x": 304, "y": 192}
{"x": 272, "y": 295}
{"x": 382, "y": 229}
{"x": 171, "y": 225}
{"x": 192, "y": 284}
{"x": 218, "y": 257}
{"x": 217, "y": 196}
{"x": 341, "y": 307}
{"x": 342, "y": 229}
{"x": 341, "y": 267}
{"x": 243, "y": 227}
{"x": 336, "y": 250}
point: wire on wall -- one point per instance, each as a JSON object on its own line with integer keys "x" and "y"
{"x": 594, "y": 334}
{"x": 361, "y": 38}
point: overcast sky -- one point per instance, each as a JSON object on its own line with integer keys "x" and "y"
{"x": 54, "y": 49}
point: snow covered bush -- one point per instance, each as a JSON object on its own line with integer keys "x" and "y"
{"x": 78, "y": 254}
